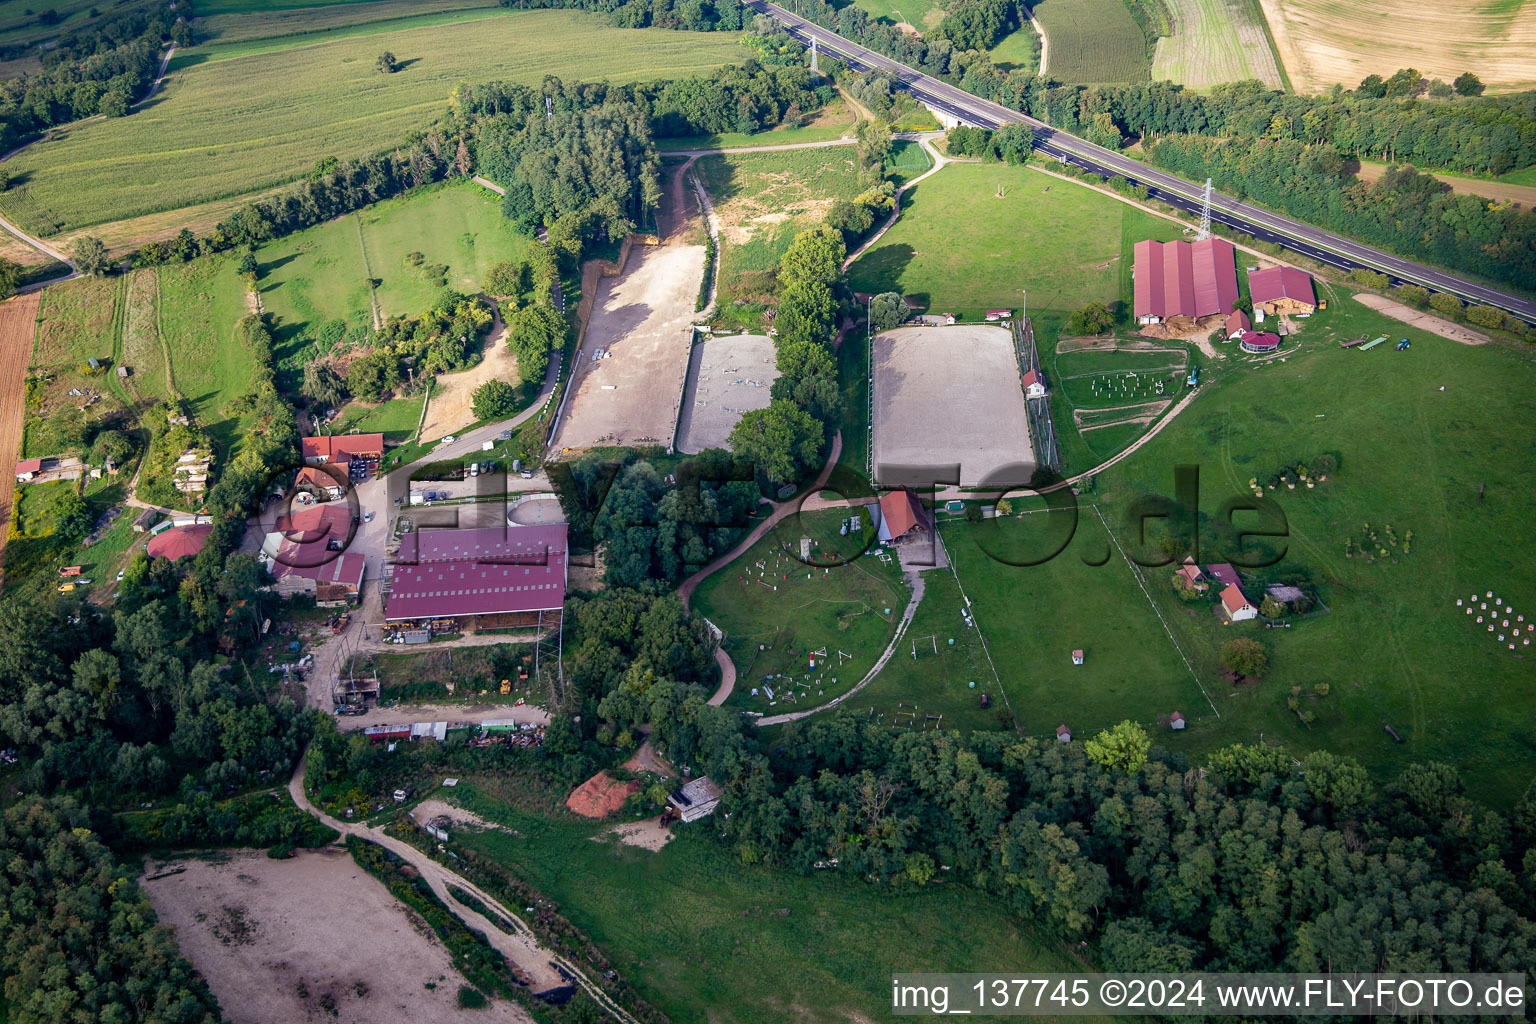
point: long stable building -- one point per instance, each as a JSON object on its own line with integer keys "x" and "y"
{"x": 496, "y": 576}
{"x": 1184, "y": 280}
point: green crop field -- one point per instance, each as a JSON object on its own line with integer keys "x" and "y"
{"x": 762, "y": 201}
{"x": 228, "y": 127}
{"x": 959, "y": 248}
{"x": 1092, "y": 41}
{"x": 1089, "y": 598}
{"x": 709, "y": 940}
{"x": 1215, "y": 41}
{"x": 776, "y": 614}
{"x": 1394, "y": 650}
{"x": 226, "y": 28}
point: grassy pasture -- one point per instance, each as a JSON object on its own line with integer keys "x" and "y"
{"x": 852, "y": 607}
{"x": 1098, "y": 379}
{"x": 200, "y": 303}
{"x": 763, "y": 200}
{"x": 908, "y": 159}
{"x": 920, "y": 14}
{"x": 229, "y": 28}
{"x": 1088, "y": 597}
{"x": 937, "y": 681}
{"x": 1394, "y": 649}
{"x": 1092, "y": 41}
{"x": 229, "y": 127}
{"x": 1215, "y": 41}
{"x": 959, "y": 248}
{"x": 1018, "y": 50}
{"x": 709, "y": 940}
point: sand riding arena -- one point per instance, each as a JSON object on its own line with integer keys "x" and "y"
{"x": 947, "y": 395}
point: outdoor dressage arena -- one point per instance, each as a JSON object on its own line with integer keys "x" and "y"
{"x": 728, "y": 377}
{"x": 946, "y": 395}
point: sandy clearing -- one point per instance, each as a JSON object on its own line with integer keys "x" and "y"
{"x": 452, "y": 393}
{"x": 649, "y": 834}
{"x": 281, "y": 940}
{"x": 945, "y": 395}
{"x": 1423, "y": 321}
{"x": 643, "y": 322}
{"x": 728, "y": 376}
{"x": 18, "y": 327}
{"x": 1322, "y": 42}
{"x": 433, "y": 807}
{"x": 1525, "y": 195}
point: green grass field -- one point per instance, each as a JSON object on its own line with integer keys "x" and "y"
{"x": 396, "y": 419}
{"x": 709, "y": 940}
{"x": 908, "y": 159}
{"x": 851, "y": 608}
{"x": 958, "y": 247}
{"x": 1019, "y": 50}
{"x": 231, "y": 29}
{"x": 1395, "y": 650}
{"x": 920, "y": 14}
{"x": 1099, "y": 379}
{"x": 763, "y": 200}
{"x": 910, "y": 691}
{"x": 229, "y": 127}
{"x": 1215, "y": 41}
{"x": 1034, "y": 617}
{"x": 1092, "y": 41}
{"x": 200, "y": 304}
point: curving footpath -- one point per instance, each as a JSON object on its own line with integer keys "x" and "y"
{"x": 547, "y": 968}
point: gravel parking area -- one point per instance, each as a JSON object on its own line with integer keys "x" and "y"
{"x": 946, "y": 395}
{"x": 727, "y": 377}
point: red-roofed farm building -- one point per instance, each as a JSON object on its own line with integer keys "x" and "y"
{"x": 1180, "y": 283}
{"x": 179, "y": 542}
{"x": 357, "y": 454}
{"x": 490, "y": 577}
{"x": 306, "y": 554}
{"x": 1281, "y": 290}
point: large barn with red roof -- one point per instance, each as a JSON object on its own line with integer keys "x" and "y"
{"x": 495, "y": 576}
{"x": 307, "y": 554}
{"x": 1181, "y": 282}
{"x": 1281, "y": 290}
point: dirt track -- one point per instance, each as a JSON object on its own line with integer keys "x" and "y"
{"x": 1422, "y": 320}
{"x": 18, "y": 324}
{"x": 453, "y": 393}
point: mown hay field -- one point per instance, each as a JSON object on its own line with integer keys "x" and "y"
{"x": 1215, "y": 41}
{"x": 228, "y": 127}
{"x": 1092, "y": 41}
{"x": 1326, "y": 41}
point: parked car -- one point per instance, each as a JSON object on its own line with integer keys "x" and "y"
{"x": 450, "y": 439}
{"x": 120, "y": 574}
{"x": 368, "y": 518}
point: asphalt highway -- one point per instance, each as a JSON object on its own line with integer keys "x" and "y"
{"x": 1324, "y": 246}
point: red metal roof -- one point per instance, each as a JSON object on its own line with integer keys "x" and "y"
{"x": 179, "y": 542}
{"x": 1273, "y": 283}
{"x": 29, "y": 466}
{"x": 1191, "y": 279}
{"x": 1237, "y": 322}
{"x": 1259, "y": 341}
{"x": 1031, "y": 377}
{"x": 487, "y": 571}
{"x": 301, "y": 546}
{"x": 342, "y": 447}
{"x": 1223, "y": 572}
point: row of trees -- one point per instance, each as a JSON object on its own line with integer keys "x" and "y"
{"x": 1405, "y": 211}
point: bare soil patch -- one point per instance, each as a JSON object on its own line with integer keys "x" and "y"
{"x": 434, "y": 807}
{"x": 600, "y": 796}
{"x": 1422, "y": 320}
{"x": 1525, "y": 195}
{"x": 649, "y": 834}
{"x": 453, "y": 393}
{"x": 313, "y": 938}
{"x": 18, "y": 324}
{"x": 1095, "y": 419}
